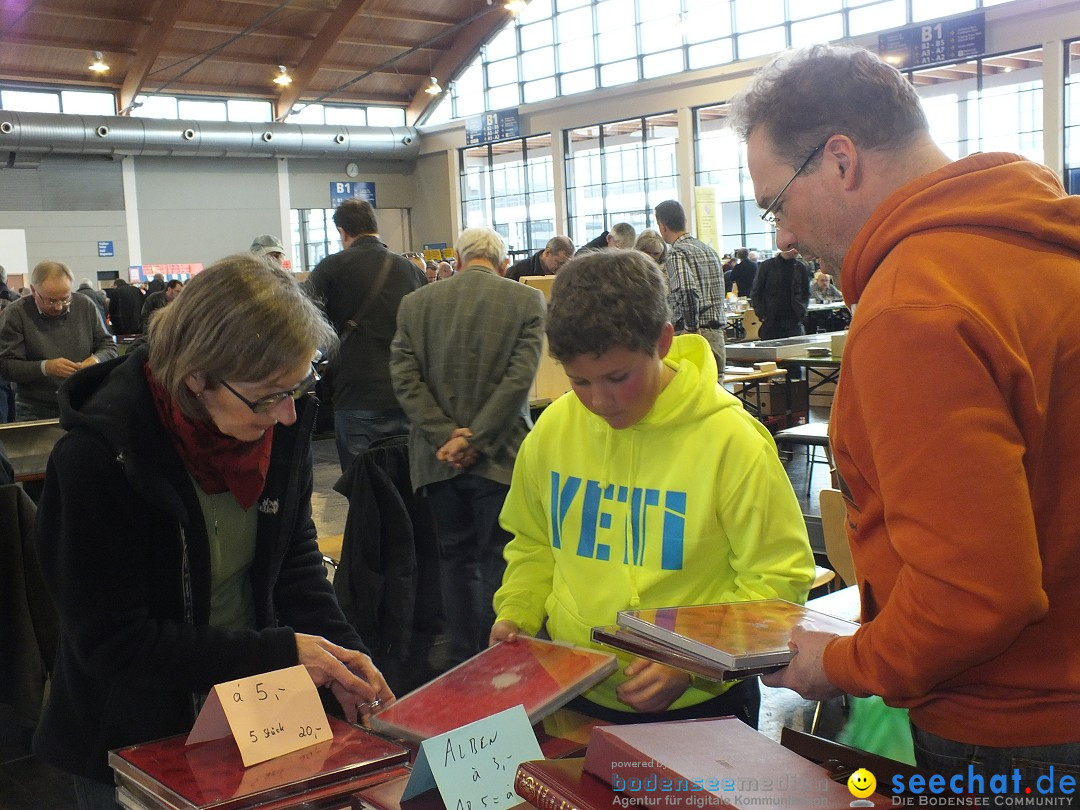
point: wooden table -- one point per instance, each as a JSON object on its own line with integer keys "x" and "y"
{"x": 745, "y": 383}
{"x": 28, "y": 445}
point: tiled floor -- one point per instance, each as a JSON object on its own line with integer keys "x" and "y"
{"x": 28, "y": 784}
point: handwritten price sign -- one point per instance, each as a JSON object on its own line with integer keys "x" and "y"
{"x": 268, "y": 715}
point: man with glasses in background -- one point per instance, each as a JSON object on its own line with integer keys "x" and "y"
{"x": 48, "y": 336}
{"x": 954, "y": 423}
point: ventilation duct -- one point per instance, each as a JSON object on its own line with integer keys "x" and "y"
{"x": 52, "y": 133}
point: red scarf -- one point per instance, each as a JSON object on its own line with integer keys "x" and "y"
{"x": 217, "y": 462}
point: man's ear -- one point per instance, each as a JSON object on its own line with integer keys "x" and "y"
{"x": 844, "y": 155}
{"x": 502, "y": 268}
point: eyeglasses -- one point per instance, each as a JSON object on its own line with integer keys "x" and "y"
{"x": 769, "y": 215}
{"x": 264, "y": 404}
{"x": 53, "y": 303}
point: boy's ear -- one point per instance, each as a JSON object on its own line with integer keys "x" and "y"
{"x": 663, "y": 346}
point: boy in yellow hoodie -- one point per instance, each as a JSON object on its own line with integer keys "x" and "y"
{"x": 648, "y": 486}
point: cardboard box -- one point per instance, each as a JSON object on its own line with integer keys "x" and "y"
{"x": 774, "y": 397}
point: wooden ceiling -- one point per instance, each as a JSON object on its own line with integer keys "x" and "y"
{"x": 337, "y": 51}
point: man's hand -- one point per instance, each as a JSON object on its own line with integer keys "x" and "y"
{"x": 457, "y": 452}
{"x": 356, "y": 683}
{"x": 61, "y": 367}
{"x": 806, "y": 672}
{"x": 89, "y": 361}
{"x": 651, "y": 687}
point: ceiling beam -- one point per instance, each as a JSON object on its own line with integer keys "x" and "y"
{"x": 164, "y": 14}
{"x": 263, "y": 61}
{"x": 467, "y": 43}
{"x": 62, "y": 44}
{"x": 382, "y": 14}
{"x": 80, "y": 11}
{"x": 315, "y": 55}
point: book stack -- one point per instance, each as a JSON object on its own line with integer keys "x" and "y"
{"x": 719, "y": 762}
{"x": 539, "y": 675}
{"x": 722, "y": 641}
{"x": 169, "y": 775}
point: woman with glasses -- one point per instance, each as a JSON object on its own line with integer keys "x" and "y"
{"x": 175, "y": 526}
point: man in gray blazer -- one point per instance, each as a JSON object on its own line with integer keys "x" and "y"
{"x": 461, "y": 364}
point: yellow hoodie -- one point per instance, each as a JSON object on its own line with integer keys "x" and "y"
{"x": 688, "y": 506}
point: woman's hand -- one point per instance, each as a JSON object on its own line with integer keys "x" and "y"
{"x": 356, "y": 682}
{"x": 651, "y": 687}
{"x": 504, "y": 630}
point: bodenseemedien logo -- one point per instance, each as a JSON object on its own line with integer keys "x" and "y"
{"x": 861, "y": 784}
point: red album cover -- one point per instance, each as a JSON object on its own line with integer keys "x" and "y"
{"x": 736, "y": 635}
{"x": 562, "y": 784}
{"x": 212, "y": 775}
{"x": 641, "y": 646}
{"x": 539, "y": 675}
{"x": 716, "y": 762}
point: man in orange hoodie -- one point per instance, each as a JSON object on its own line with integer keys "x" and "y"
{"x": 955, "y": 424}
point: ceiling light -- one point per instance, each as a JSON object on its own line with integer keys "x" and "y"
{"x": 433, "y": 89}
{"x": 283, "y": 79}
{"x": 98, "y": 65}
{"x": 515, "y": 6}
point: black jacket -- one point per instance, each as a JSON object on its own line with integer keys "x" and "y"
{"x": 125, "y": 309}
{"x": 124, "y": 550}
{"x": 527, "y": 267}
{"x": 342, "y": 282}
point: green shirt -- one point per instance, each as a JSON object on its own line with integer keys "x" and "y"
{"x": 231, "y": 531}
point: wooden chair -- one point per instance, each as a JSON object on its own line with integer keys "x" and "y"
{"x": 751, "y": 324}
{"x": 834, "y": 528}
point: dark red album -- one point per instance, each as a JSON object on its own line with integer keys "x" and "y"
{"x": 539, "y": 675}
{"x": 211, "y": 775}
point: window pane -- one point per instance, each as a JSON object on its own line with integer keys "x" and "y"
{"x": 932, "y": 9}
{"x": 662, "y": 64}
{"x": 578, "y": 82}
{"x": 29, "y": 101}
{"x": 890, "y": 14}
{"x": 536, "y": 35}
{"x": 347, "y": 116}
{"x": 812, "y": 8}
{"x": 536, "y": 10}
{"x": 619, "y": 73}
{"x": 502, "y": 72}
{"x": 564, "y": 5}
{"x": 711, "y": 53}
{"x": 202, "y": 110}
{"x": 539, "y": 90}
{"x": 154, "y": 107}
{"x": 385, "y": 117}
{"x": 538, "y": 64}
{"x": 87, "y": 103}
{"x": 661, "y": 35}
{"x": 706, "y": 19}
{"x": 576, "y": 55}
{"x": 244, "y": 110}
{"x": 818, "y": 29}
{"x": 751, "y": 14}
{"x": 575, "y": 24}
{"x": 308, "y": 114}
{"x": 771, "y": 40}
{"x": 502, "y": 97}
{"x": 503, "y": 44}
{"x": 469, "y": 91}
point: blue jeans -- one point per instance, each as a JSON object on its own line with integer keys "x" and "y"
{"x": 356, "y": 429}
{"x": 471, "y": 564}
{"x": 91, "y": 794}
{"x": 948, "y": 757}
{"x": 29, "y": 411}
{"x": 7, "y": 401}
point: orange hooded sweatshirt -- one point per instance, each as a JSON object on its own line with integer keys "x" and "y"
{"x": 956, "y": 430}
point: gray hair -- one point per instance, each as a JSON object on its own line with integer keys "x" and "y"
{"x": 241, "y": 319}
{"x": 481, "y": 243}
{"x": 623, "y": 234}
{"x": 559, "y": 245}
{"x": 47, "y": 269}
{"x": 804, "y": 96}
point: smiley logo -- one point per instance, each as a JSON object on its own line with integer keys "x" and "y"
{"x": 861, "y": 783}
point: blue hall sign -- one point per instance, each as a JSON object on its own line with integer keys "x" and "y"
{"x": 105, "y": 249}
{"x": 348, "y": 190}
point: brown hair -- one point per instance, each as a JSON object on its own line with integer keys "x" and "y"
{"x": 240, "y": 319}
